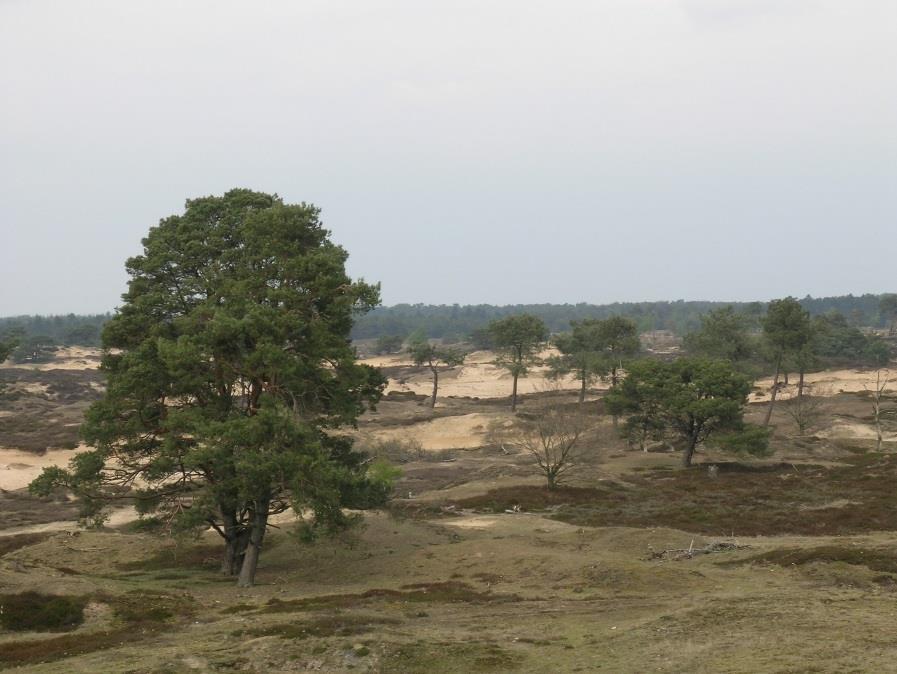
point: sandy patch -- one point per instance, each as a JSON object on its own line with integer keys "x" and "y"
{"x": 472, "y": 522}
{"x": 825, "y": 383}
{"x": 66, "y": 358}
{"x": 460, "y": 432}
{"x": 478, "y": 377}
{"x": 117, "y": 518}
{"x": 529, "y": 522}
{"x": 854, "y": 431}
{"x": 33, "y": 388}
{"x": 18, "y": 468}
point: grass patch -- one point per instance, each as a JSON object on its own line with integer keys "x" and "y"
{"x": 36, "y": 612}
{"x": 140, "y": 614}
{"x": 745, "y": 499}
{"x": 442, "y": 658}
{"x": 18, "y": 541}
{"x": 876, "y": 560}
{"x": 15, "y": 653}
{"x": 530, "y": 498}
{"x": 444, "y": 592}
{"x": 139, "y": 608}
{"x": 177, "y": 557}
{"x": 320, "y": 626}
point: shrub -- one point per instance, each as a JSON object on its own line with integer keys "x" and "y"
{"x": 396, "y": 450}
{"x": 35, "y": 612}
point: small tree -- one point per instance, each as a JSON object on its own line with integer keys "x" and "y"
{"x": 518, "y": 339}
{"x": 786, "y": 330}
{"x": 8, "y": 344}
{"x": 553, "y": 439}
{"x": 619, "y": 341}
{"x": 808, "y": 410}
{"x": 640, "y": 399}
{"x": 35, "y": 349}
{"x": 582, "y": 354}
{"x": 388, "y": 344}
{"x": 724, "y": 334}
{"x": 425, "y": 354}
{"x": 692, "y": 398}
{"x": 877, "y": 393}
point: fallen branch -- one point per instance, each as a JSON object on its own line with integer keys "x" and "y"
{"x": 677, "y": 554}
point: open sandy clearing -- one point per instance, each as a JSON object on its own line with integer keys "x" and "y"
{"x": 466, "y": 431}
{"x": 66, "y": 358}
{"x": 478, "y": 377}
{"x": 18, "y": 468}
{"x": 826, "y": 383}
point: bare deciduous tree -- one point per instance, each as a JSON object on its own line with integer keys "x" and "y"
{"x": 882, "y": 379}
{"x": 554, "y": 439}
{"x": 808, "y": 410}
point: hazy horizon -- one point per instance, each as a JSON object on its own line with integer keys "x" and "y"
{"x": 500, "y": 153}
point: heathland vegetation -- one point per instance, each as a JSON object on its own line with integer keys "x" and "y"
{"x": 534, "y": 488}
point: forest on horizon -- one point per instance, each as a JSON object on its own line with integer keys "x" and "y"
{"x": 459, "y": 322}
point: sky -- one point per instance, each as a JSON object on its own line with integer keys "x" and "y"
{"x": 487, "y": 151}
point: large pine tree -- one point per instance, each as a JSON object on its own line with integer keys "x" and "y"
{"x": 230, "y": 371}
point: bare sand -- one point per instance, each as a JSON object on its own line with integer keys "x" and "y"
{"x": 465, "y": 431}
{"x": 66, "y": 358}
{"x": 18, "y": 468}
{"x": 826, "y": 383}
{"x": 478, "y": 377}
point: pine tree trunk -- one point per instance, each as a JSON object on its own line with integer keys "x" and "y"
{"x": 435, "y": 387}
{"x": 236, "y": 538}
{"x": 234, "y": 552}
{"x": 775, "y": 392}
{"x": 800, "y": 384}
{"x": 582, "y": 390}
{"x": 689, "y": 452}
{"x": 259, "y": 524}
{"x": 514, "y": 395}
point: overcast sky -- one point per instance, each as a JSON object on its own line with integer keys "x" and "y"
{"x": 469, "y": 151}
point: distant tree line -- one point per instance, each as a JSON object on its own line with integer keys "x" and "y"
{"x": 36, "y": 338}
{"x": 461, "y": 322}
{"x": 71, "y": 329}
